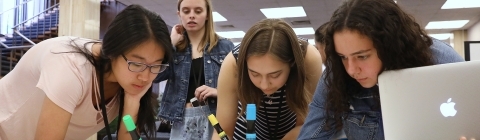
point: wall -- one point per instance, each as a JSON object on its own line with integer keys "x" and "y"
{"x": 80, "y": 18}
{"x": 474, "y": 32}
{"x": 459, "y": 36}
{"x": 108, "y": 11}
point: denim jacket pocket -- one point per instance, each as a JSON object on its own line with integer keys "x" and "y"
{"x": 218, "y": 59}
{"x": 217, "y": 63}
{"x": 361, "y": 125}
{"x": 178, "y": 59}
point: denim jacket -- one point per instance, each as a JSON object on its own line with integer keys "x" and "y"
{"x": 361, "y": 122}
{"x": 173, "y": 101}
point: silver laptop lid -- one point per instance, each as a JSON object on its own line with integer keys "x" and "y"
{"x": 434, "y": 102}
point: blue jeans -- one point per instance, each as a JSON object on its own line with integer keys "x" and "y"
{"x": 195, "y": 125}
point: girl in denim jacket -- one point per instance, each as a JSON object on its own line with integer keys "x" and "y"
{"x": 198, "y": 57}
{"x": 363, "y": 39}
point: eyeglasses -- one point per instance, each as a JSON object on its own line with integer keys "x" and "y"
{"x": 140, "y": 67}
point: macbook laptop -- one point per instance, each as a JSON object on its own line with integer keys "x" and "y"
{"x": 440, "y": 102}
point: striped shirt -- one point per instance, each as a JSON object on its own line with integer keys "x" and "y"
{"x": 270, "y": 119}
{"x": 274, "y": 117}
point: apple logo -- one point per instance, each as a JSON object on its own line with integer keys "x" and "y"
{"x": 447, "y": 109}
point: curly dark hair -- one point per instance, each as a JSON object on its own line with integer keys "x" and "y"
{"x": 399, "y": 40}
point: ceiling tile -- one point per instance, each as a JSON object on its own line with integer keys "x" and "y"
{"x": 245, "y": 13}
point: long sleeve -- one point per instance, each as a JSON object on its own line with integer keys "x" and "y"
{"x": 313, "y": 128}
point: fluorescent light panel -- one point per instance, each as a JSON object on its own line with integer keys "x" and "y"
{"x": 443, "y": 36}
{"x": 284, "y": 12}
{"x": 217, "y": 17}
{"x": 457, "y": 4}
{"x": 304, "y": 31}
{"x": 232, "y": 34}
{"x": 446, "y": 24}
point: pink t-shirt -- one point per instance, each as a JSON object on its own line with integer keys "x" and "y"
{"x": 68, "y": 79}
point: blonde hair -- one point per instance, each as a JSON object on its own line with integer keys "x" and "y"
{"x": 275, "y": 37}
{"x": 209, "y": 35}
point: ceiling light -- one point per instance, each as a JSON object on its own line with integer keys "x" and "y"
{"x": 443, "y": 36}
{"x": 232, "y": 34}
{"x": 217, "y": 17}
{"x": 456, "y": 4}
{"x": 304, "y": 31}
{"x": 284, "y": 12}
{"x": 446, "y": 24}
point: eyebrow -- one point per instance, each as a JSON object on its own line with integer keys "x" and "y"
{"x": 142, "y": 58}
{"x": 359, "y": 52}
{"x": 183, "y": 8}
{"x": 268, "y": 73}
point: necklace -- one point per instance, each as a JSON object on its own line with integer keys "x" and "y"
{"x": 273, "y": 133}
{"x": 270, "y": 100}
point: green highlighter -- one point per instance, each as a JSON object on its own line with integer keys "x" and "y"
{"x": 131, "y": 128}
